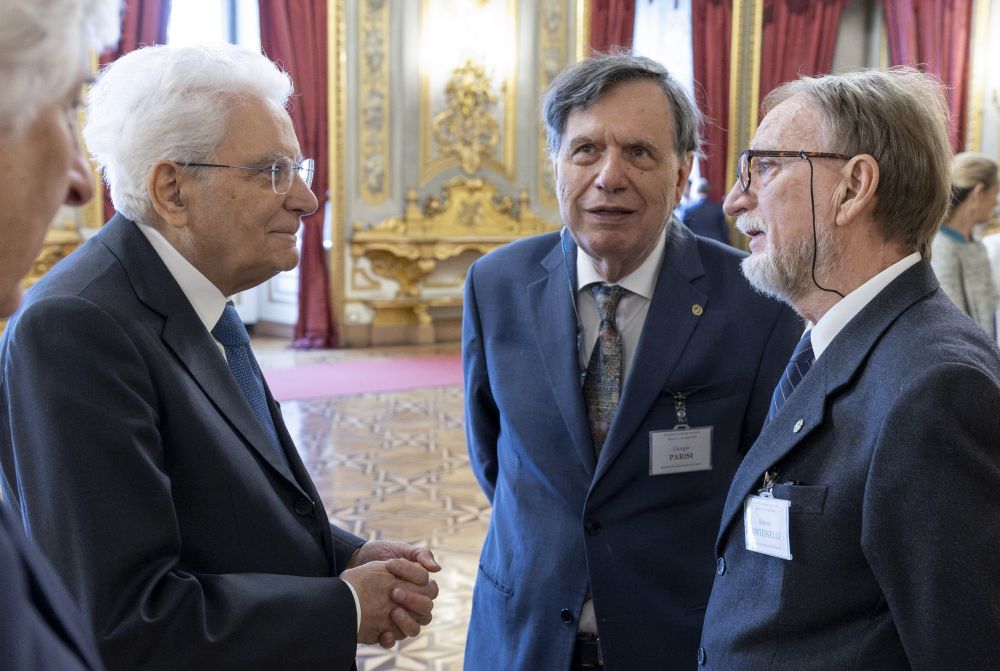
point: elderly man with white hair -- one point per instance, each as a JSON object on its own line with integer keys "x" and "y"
{"x": 44, "y": 57}
{"x": 139, "y": 439}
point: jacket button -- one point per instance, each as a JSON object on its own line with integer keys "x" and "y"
{"x": 303, "y": 507}
{"x": 566, "y": 616}
{"x": 592, "y": 527}
{"x": 720, "y": 567}
{"x": 701, "y": 656}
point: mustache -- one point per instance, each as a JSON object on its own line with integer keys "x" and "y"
{"x": 751, "y": 222}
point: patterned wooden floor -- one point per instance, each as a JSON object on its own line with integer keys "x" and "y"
{"x": 394, "y": 465}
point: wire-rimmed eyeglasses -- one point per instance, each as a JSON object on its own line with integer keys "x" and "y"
{"x": 744, "y": 167}
{"x": 283, "y": 171}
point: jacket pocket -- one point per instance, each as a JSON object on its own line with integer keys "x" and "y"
{"x": 806, "y": 499}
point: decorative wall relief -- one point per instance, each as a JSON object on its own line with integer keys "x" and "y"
{"x": 467, "y": 128}
{"x": 374, "y": 112}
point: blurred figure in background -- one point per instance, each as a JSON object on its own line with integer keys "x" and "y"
{"x": 705, "y": 217}
{"x": 961, "y": 262}
{"x": 44, "y": 62}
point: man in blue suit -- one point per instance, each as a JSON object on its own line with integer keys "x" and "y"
{"x": 41, "y": 41}
{"x": 705, "y": 216}
{"x": 599, "y": 546}
{"x": 137, "y": 437}
{"x": 861, "y": 530}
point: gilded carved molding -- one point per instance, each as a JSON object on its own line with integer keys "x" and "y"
{"x": 467, "y": 129}
{"x": 979, "y": 56}
{"x": 435, "y": 158}
{"x": 468, "y": 215}
{"x": 373, "y": 100}
{"x": 552, "y": 55}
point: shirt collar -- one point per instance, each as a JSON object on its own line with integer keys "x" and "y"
{"x": 206, "y": 299}
{"x": 837, "y": 317}
{"x": 640, "y": 281}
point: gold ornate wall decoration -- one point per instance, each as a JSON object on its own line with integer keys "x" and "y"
{"x": 468, "y": 215}
{"x": 467, "y": 128}
{"x": 552, "y": 56}
{"x": 373, "y": 100}
{"x": 454, "y": 32}
{"x": 979, "y": 56}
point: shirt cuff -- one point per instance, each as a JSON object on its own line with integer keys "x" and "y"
{"x": 357, "y": 604}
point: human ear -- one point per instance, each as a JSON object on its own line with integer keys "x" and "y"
{"x": 685, "y": 163}
{"x": 858, "y": 185}
{"x": 166, "y": 185}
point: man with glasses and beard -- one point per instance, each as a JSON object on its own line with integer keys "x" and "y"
{"x": 138, "y": 438}
{"x": 860, "y": 531}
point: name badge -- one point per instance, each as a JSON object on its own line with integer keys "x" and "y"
{"x": 680, "y": 450}
{"x": 766, "y": 526}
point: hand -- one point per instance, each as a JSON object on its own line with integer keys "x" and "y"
{"x": 383, "y": 585}
{"x": 385, "y": 550}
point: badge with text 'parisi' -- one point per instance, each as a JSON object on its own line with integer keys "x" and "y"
{"x": 765, "y": 523}
{"x": 682, "y": 449}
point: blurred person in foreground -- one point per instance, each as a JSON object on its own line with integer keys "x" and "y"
{"x": 615, "y": 374}
{"x": 960, "y": 261}
{"x": 45, "y": 48}
{"x": 861, "y": 530}
{"x": 139, "y": 440}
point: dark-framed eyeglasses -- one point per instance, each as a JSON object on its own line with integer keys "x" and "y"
{"x": 283, "y": 171}
{"x": 745, "y": 165}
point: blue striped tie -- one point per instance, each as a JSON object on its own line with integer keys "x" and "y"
{"x": 798, "y": 366}
{"x": 233, "y": 335}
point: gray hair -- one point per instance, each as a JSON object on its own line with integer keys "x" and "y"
{"x": 581, "y": 85}
{"x": 900, "y": 117}
{"x": 170, "y": 103}
{"x": 43, "y": 45}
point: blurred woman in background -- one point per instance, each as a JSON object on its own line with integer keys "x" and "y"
{"x": 959, "y": 260}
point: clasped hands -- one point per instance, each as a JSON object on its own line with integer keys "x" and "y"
{"x": 393, "y": 584}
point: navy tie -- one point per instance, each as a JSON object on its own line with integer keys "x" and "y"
{"x": 233, "y": 335}
{"x": 798, "y": 366}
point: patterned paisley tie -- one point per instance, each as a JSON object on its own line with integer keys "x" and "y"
{"x": 603, "y": 383}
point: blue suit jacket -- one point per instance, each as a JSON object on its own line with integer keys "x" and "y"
{"x": 563, "y": 521}
{"x": 40, "y": 626}
{"x": 706, "y": 218}
{"x": 894, "y": 480}
{"x": 141, "y": 471}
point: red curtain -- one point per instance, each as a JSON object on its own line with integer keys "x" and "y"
{"x": 293, "y": 33}
{"x": 144, "y": 22}
{"x": 711, "y": 29}
{"x": 934, "y": 35}
{"x": 799, "y": 37}
{"x": 612, "y": 23}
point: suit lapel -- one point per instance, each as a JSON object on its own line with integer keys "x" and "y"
{"x": 550, "y": 301}
{"x": 669, "y": 324}
{"x": 185, "y": 334}
{"x": 832, "y": 372}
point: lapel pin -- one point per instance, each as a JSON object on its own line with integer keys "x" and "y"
{"x": 798, "y": 426}
{"x": 696, "y": 310}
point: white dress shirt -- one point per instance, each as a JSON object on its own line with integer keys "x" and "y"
{"x": 837, "y": 317}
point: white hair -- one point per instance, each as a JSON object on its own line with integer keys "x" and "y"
{"x": 43, "y": 45}
{"x": 170, "y": 103}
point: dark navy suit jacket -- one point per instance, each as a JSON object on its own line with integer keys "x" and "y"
{"x": 889, "y": 451}
{"x": 40, "y": 626}
{"x": 562, "y": 520}
{"x": 141, "y": 471}
{"x": 706, "y": 218}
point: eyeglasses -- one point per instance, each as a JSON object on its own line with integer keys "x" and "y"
{"x": 283, "y": 172}
{"x": 745, "y": 166}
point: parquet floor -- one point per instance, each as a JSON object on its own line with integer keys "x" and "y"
{"x": 394, "y": 465}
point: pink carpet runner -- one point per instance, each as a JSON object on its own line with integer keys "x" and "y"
{"x": 363, "y": 376}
